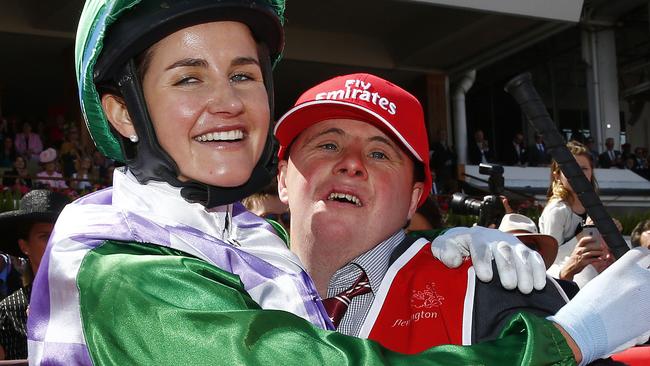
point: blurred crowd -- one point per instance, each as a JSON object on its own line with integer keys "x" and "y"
{"x": 50, "y": 155}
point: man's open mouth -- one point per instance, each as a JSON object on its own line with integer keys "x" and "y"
{"x": 345, "y": 198}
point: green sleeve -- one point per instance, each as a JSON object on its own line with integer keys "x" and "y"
{"x": 148, "y": 305}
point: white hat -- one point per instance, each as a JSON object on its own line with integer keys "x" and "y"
{"x": 47, "y": 156}
{"x": 526, "y": 231}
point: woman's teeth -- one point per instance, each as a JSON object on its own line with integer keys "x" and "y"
{"x": 232, "y": 135}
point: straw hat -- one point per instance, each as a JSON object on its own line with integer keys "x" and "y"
{"x": 39, "y": 205}
{"x": 526, "y": 231}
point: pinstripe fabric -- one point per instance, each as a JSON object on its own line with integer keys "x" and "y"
{"x": 375, "y": 263}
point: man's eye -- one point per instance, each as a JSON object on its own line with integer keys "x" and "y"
{"x": 378, "y": 155}
{"x": 328, "y": 146}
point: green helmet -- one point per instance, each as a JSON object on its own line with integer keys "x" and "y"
{"x": 99, "y": 15}
{"x": 113, "y": 33}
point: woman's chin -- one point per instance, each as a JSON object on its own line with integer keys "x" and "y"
{"x": 225, "y": 180}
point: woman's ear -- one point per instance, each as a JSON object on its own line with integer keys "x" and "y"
{"x": 117, "y": 114}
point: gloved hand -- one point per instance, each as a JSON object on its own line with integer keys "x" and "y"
{"x": 611, "y": 312}
{"x": 518, "y": 266}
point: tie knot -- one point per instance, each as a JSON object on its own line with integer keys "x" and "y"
{"x": 337, "y": 306}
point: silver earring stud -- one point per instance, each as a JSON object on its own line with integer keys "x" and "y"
{"x": 133, "y": 138}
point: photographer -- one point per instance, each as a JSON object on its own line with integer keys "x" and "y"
{"x": 492, "y": 208}
{"x": 564, "y": 217}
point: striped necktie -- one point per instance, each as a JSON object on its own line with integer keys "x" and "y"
{"x": 337, "y": 306}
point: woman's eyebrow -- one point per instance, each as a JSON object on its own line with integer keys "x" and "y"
{"x": 188, "y": 62}
{"x": 239, "y": 61}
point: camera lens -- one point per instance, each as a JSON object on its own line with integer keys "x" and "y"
{"x": 464, "y": 205}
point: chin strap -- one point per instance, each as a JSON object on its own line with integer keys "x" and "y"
{"x": 147, "y": 160}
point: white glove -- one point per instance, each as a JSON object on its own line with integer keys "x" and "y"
{"x": 518, "y": 266}
{"x": 611, "y": 312}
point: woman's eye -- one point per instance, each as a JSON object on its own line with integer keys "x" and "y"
{"x": 237, "y": 78}
{"x": 378, "y": 155}
{"x": 187, "y": 81}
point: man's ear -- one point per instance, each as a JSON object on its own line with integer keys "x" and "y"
{"x": 117, "y": 114}
{"x": 416, "y": 193}
{"x": 282, "y": 183}
{"x": 22, "y": 243}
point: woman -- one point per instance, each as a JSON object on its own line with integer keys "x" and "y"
{"x": 163, "y": 268}
{"x": 563, "y": 218}
{"x": 18, "y": 177}
{"x": 82, "y": 177}
{"x": 8, "y": 153}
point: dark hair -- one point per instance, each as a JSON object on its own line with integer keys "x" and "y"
{"x": 635, "y": 237}
{"x": 431, "y": 211}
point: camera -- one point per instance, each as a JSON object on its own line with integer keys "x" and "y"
{"x": 490, "y": 210}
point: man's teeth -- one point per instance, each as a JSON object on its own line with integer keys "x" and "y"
{"x": 344, "y": 197}
{"x": 221, "y": 136}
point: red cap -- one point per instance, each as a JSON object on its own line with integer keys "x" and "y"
{"x": 366, "y": 98}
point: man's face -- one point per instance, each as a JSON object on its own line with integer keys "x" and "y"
{"x": 346, "y": 178}
{"x": 519, "y": 138}
{"x": 34, "y": 245}
{"x": 609, "y": 143}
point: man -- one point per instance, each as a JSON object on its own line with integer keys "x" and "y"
{"x": 443, "y": 162}
{"x": 610, "y": 158}
{"x": 537, "y": 154}
{"x": 516, "y": 153}
{"x": 353, "y": 156}
{"x": 479, "y": 151}
{"x": 25, "y": 234}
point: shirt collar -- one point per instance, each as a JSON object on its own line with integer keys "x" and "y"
{"x": 374, "y": 262}
{"x": 163, "y": 201}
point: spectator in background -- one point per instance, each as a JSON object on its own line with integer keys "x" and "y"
{"x": 626, "y": 152}
{"x": 100, "y": 165}
{"x": 28, "y": 143}
{"x": 537, "y": 154}
{"x": 610, "y": 158}
{"x": 56, "y": 131}
{"x": 10, "y": 276}
{"x": 516, "y": 153}
{"x": 8, "y": 153}
{"x": 563, "y": 218}
{"x": 267, "y": 204}
{"x": 49, "y": 176}
{"x": 479, "y": 151}
{"x": 641, "y": 162}
{"x": 443, "y": 162}
{"x": 25, "y": 234}
{"x": 640, "y": 236}
{"x": 82, "y": 177}
{"x": 18, "y": 177}
{"x": 591, "y": 147}
{"x": 70, "y": 152}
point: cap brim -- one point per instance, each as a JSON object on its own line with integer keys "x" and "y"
{"x": 9, "y": 221}
{"x": 546, "y": 245}
{"x": 304, "y": 115}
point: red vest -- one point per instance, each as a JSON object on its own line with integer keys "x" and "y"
{"x": 421, "y": 303}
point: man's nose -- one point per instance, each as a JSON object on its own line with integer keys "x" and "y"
{"x": 352, "y": 163}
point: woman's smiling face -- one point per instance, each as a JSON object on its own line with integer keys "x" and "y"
{"x": 208, "y": 104}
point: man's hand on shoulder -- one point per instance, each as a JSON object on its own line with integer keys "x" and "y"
{"x": 518, "y": 266}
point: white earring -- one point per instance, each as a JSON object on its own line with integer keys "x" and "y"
{"x": 133, "y": 138}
